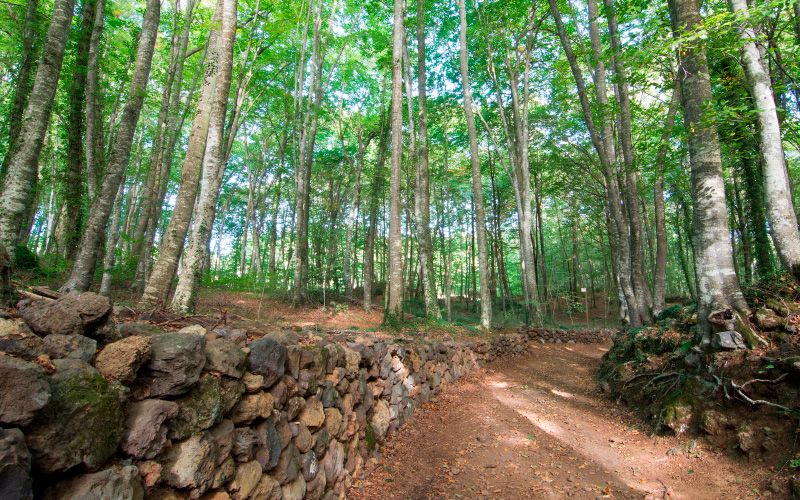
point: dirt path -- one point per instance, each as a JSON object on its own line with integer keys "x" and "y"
{"x": 535, "y": 427}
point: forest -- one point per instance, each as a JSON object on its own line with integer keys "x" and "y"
{"x": 242, "y": 242}
{"x": 521, "y": 158}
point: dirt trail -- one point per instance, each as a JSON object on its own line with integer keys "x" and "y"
{"x": 535, "y": 427}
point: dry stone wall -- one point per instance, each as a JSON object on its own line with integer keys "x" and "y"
{"x": 91, "y": 410}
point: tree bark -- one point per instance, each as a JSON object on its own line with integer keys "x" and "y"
{"x": 660, "y": 272}
{"x": 17, "y": 195}
{"x": 780, "y": 209}
{"x": 159, "y": 283}
{"x": 85, "y": 262}
{"x": 394, "y": 289}
{"x": 422, "y": 198}
{"x": 378, "y": 181}
{"x": 717, "y": 283}
{"x": 111, "y": 244}
{"x": 92, "y": 144}
{"x": 73, "y": 181}
{"x": 477, "y": 185}
{"x": 23, "y": 88}
{"x": 214, "y": 163}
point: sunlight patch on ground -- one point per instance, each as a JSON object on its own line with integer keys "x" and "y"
{"x": 499, "y": 385}
{"x": 563, "y": 394}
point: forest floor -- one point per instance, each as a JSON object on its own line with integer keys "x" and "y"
{"x": 536, "y": 427}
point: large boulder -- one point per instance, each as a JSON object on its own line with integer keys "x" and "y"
{"x": 225, "y": 357}
{"x": 204, "y": 406}
{"x": 23, "y": 390}
{"x": 268, "y": 358}
{"x": 145, "y": 432}
{"x": 190, "y": 464}
{"x": 121, "y": 360}
{"x": 83, "y": 422}
{"x": 118, "y": 483}
{"x": 176, "y": 362}
{"x": 17, "y": 340}
{"x": 73, "y": 314}
{"x": 15, "y": 466}
{"x": 59, "y": 346}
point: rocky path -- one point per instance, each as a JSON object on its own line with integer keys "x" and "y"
{"x": 535, "y": 427}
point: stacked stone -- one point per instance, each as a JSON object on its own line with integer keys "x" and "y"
{"x": 199, "y": 414}
{"x": 561, "y": 336}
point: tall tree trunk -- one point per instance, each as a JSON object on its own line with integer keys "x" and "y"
{"x": 422, "y": 198}
{"x": 17, "y": 194}
{"x": 477, "y": 185}
{"x": 642, "y": 291}
{"x": 158, "y": 284}
{"x": 214, "y": 164}
{"x": 73, "y": 181}
{"x": 83, "y": 271}
{"x": 23, "y": 88}
{"x": 717, "y": 283}
{"x": 352, "y": 213}
{"x": 780, "y": 209}
{"x": 660, "y": 272}
{"x": 394, "y": 289}
{"x": 378, "y": 181}
{"x": 92, "y": 144}
{"x": 111, "y": 244}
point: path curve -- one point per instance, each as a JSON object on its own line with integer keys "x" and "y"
{"x": 536, "y": 427}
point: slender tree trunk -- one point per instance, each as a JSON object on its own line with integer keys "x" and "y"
{"x": 394, "y": 287}
{"x": 17, "y": 195}
{"x": 780, "y": 209}
{"x": 158, "y": 285}
{"x": 23, "y": 88}
{"x": 111, "y": 244}
{"x": 717, "y": 283}
{"x": 214, "y": 163}
{"x": 85, "y": 262}
{"x": 352, "y": 214}
{"x": 92, "y": 145}
{"x": 477, "y": 185}
{"x": 73, "y": 181}
{"x": 660, "y": 272}
{"x": 374, "y": 205}
{"x": 422, "y": 196}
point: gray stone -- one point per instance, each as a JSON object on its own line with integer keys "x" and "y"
{"x": 120, "y": 361}
{"x": 245, "y": 441}
{"x": 199, "y": 330}
{"x": 15, "y": 466}
{"x": 137, "y": 328}
{"x": 288, "y": 466}
{"x": 294, "y": 406}
{"x": 728, "y": 341}
{"x": 333, "y": 461}
{"x": 225, "y": 357}
{"x": 203, "y": 407}
{"x": 223, "y": 474}
{"x": 381, "y": 418}
{"x": 270, "y": 447}
{"x": 17, "y": 340}
{"x": 23, "y": 390}
{"x": 82, "y": 424}
{"x": 73, "y": 314}
{"x": 268, "y": 358}
{"x": 190, "y": 463}
{"x": 145, "y": 432}
{"x": 223, "y": 435}
{"x": 315, "y": 489}
{"x": 117, "y": 483}
{"x": 310, "y": 465}
{"x": 59, "y": 346}
{"x": 176, "y": 362}
{"x": 321, "y": 440}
